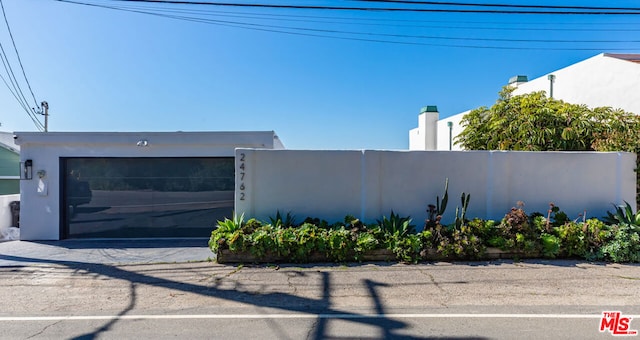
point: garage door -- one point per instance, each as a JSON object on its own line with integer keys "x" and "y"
{"x": 145, "y": 197}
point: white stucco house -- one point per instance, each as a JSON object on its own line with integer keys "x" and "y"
{"x": 128, "y": 184}
{"x": 606, "y": 79}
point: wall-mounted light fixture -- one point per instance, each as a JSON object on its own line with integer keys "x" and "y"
{"x": 26, "y": 169}
{"x": 143, "y": 142}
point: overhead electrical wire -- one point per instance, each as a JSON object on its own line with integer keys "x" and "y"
{"x": 325, "y": 33}
{"x": 4, "y": 14}
{"x": 342, "y": 21}
{"x": 448, "y": 3}
{"x": 352, "y": 18}
{"x": 602, "y": 11}
{"x": 17, "y": 90}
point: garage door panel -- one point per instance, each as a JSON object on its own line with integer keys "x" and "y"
{"x": 146, "y": 197}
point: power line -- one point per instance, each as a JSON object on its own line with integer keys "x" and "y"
{"x": 324, "y": 33}
{"x": 446, "y": 3}
{"x": 342, "y": 21}
{"x": 17, "y": 90}
{"x": 18, "y": 54}
{"x": 627, "y": 11}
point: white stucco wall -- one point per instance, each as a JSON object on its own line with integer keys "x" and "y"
{"x": 443, "y": 132}
{"x": 40, "y": 198}
{"x": 369, "y": 184}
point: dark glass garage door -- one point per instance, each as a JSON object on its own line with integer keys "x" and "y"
{"x": 145, "y": 197}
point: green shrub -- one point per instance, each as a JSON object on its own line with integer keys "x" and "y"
{"x": 407, "y": 248}
{"x": 340, "y": 244}
{"x": 623, "y": 245}
{"x": 550, "y": 245}
{"x": 582, "y": 239}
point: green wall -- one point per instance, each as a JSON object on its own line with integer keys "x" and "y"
{"x": 9, "y": 166}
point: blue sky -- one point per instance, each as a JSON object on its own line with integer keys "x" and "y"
{"x": 109, "y": 70}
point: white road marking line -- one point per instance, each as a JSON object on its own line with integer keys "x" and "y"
{"x": 305, "y": 316}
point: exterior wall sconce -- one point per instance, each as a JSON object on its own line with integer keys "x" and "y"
{"x": 26, "y": 169}
{"x": 143, "y": 142}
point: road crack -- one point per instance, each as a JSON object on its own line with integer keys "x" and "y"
{"x": 44, "y": 329}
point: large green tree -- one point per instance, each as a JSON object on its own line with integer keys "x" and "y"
{"x": 534, "y": 122}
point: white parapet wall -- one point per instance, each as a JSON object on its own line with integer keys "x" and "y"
{"x": 5, "y": 210}
{"x": 369, "y": 184}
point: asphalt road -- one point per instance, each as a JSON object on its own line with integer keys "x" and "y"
{"x": 204, "y": 300}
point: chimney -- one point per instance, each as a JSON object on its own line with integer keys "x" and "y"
{"x": 428, "y": 127}
{"x": 517, "y": 80}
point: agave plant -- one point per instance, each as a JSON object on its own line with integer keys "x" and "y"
{"x": 279, "y": 222}
{"x": 624, "y": 215}
{"x": 231, "y": 225}
{"x": 395, "y": 224}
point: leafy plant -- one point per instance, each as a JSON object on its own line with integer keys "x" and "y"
{"x": 623, "y": 245}
{"x": 464, "y": 241}
{"x": 340, "y": 244}
{"x": 407, "y": 248}
{"x": 262, "y": 241}
{"x": 517, "y": 232}
{"x": 532, "y": 122}
{"x": 236, "y": 241}
{"x": 288, "y": 221}
{"x": 582, "y": 239}
{"x": 309, "y": 238}
{"x": 223, "y": 231}
{"x": 397, "y": 225}
{"x": 365, "y": 242}
{"x": 550, "y": 245}
{"x": 624, "y": 215}
{"x": 231, "y": 225}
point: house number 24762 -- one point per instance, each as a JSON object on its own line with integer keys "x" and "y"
{"x": 242, "y": 173}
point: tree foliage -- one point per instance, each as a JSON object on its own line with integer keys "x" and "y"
{"x": 534, "y": 122}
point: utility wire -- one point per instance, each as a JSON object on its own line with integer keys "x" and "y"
{"x": 446, "y": 3}
{"x": 628, "y": 11}
{"x": 331, "y": 20}
{"x": 18, "y": 55}
{"x": 412, "y": 36}
{"x": 17, "y": 92}
{"x": 323, "y": 33}
{"x": 13, "y": 90}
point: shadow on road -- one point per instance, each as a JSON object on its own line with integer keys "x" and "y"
{"x": 321, "y": 307}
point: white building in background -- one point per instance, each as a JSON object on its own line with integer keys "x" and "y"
{"x": 606, "y": 79}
